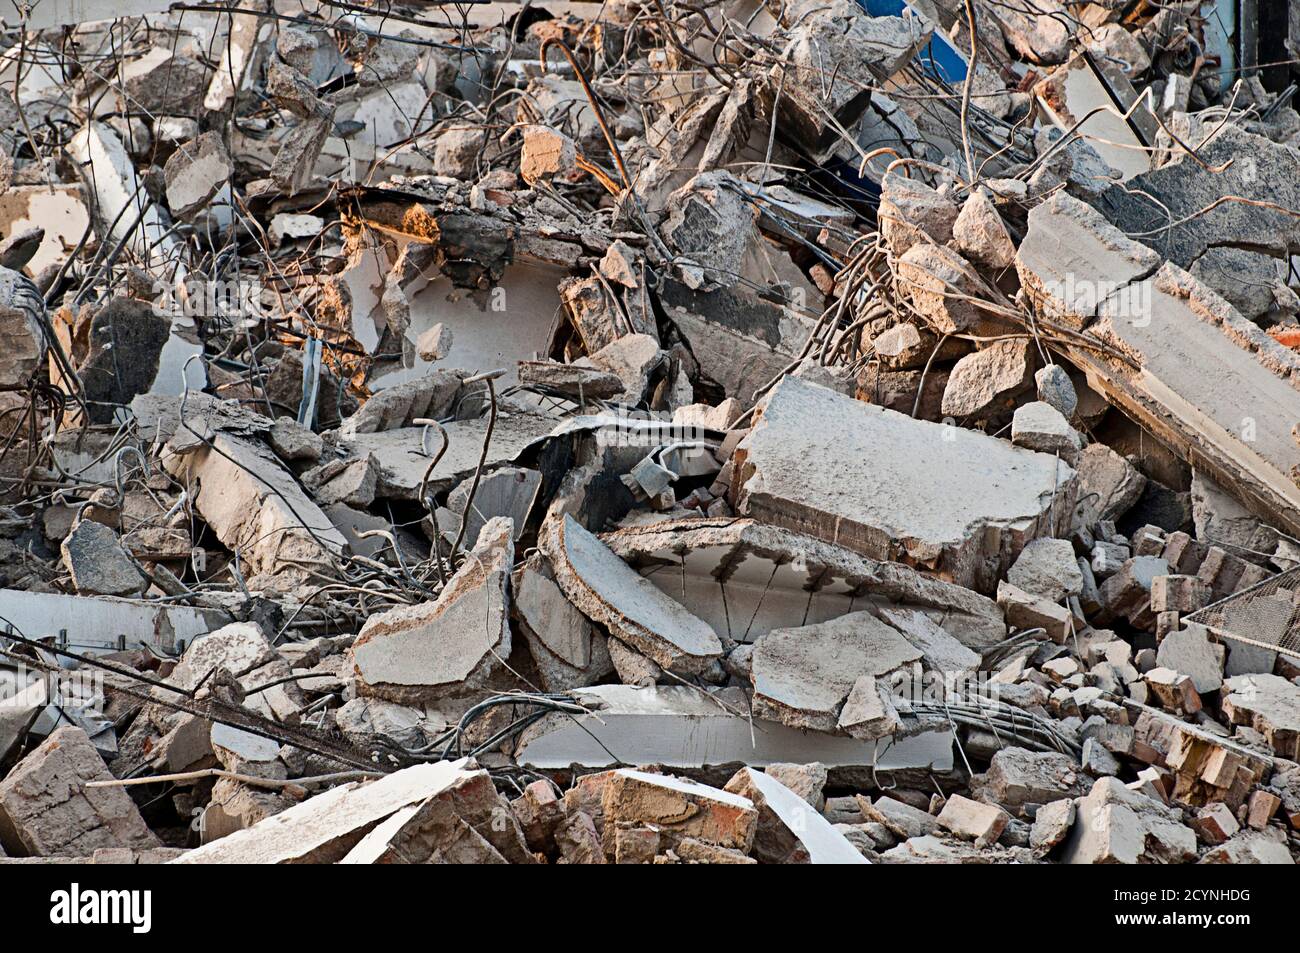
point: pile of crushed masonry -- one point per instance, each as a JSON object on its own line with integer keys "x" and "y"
{"x": 647, "y": 432}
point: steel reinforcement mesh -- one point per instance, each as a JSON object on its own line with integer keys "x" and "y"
{"x": 1266, "y": 615}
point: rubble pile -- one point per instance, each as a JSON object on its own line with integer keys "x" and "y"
{"x": 649, "y": 432}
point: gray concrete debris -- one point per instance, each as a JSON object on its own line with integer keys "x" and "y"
{"x": 984, "y": 383}
{"x": 1047, "y": 568}
{"x": 1056, "y": 388}
{"x": 1190, "y": 652}
{"x": 802, "y": 676}
{"x": 981, "y": 235}
{"x": 195, "y": 173}
{"x": 568, "y": 650}
{"x": 971, "y": 820}
{"x": 325, "y": 828}
{"x": 678, "y": 727}
{"x": 449, "y": 647}
{"x": 609, "y": 592}
{"x": 968, "y": 525}
{"x": 1040, "y": 426}
{"x": 910, "y": 209}
{"x": 943, "y": 287}
{"x": 256, "y": 507}
{"x": 1269, "y": 704}
{"x": 47, "y": 809}
{"x": 99, "y": 565}
{"x": 1017, "y": 776}
{"x": 645, "y": 434}
{"x": 745, "y": 578}
{"x": 1116, "y": 825}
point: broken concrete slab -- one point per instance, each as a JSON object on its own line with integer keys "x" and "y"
{"x": 803, "y": 675}
{"x": 789, "y": 829}
{"x": 94, "y": 556}
{"x": 745, "y": 578}
{"x": 402, "y": 458}
{"x": 99, "y": 622}
{"x": 451, "y": 646}
{"x": 610, "y": 592}
{"x": 323, "y": 829}
{"x": 47, "y": 810}
{"x": 1167, "y": 325}
{"x": 983, "y": 503}
{"x": 255, "y": 506}
{"x": 741, "y": 341}
{"x": 678, "y": 727}
{"x": 567, "y": 648}
{"x": 466, "y": 822}
{"x": 941, "y": 651}
{"x": 20, "y": 705}
{"x": 1271, "y": 705}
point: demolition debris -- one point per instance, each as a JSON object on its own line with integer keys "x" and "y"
{"x": 649, "y": 432}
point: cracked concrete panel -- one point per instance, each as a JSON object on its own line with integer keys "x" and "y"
{"x": 610, "y": 592}
{"x": 746, "y": 578}
{"x": 938, "y": 497}
{"x": 678, "y": 727}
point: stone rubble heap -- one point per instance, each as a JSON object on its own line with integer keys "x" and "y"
{"x": 642, "y": 432}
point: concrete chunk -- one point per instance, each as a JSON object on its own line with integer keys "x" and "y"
{"x": 984, "y": 382}
{"x": 910, "y": 209}
{"x": 1038, "y": 425}
{"x": 195, "y": 173}
{"x": 323, "y": 829}
{"x": 1047, "y": 568}
{"x": 942, "y": 286}
{"x": 745, "y": 578}
{"x": 896, "y": 488}
{"x": 610, "y": 592}
{"x": 452, "y": 646}
{"x": 982, "y": 823}
{"x": 902, "y": 820}
{"x": 99, "y": 565}
{"x": 256, "y": 507}
{"x": 1017, "y": 776}
{"x": 1190, "y": 652}
{"x": 46, "y": 810}
{"x": 789, "y": 829}
{"x": 802, "y": 676}
{"x": 1271, "y": 705}
{"x": 1024, "y": 610}
{"x": 981, "y": 235}
{"x": 1108, "y": 484}
{"x": 680, "y": 808}
{"x": 1119, "y": 826}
